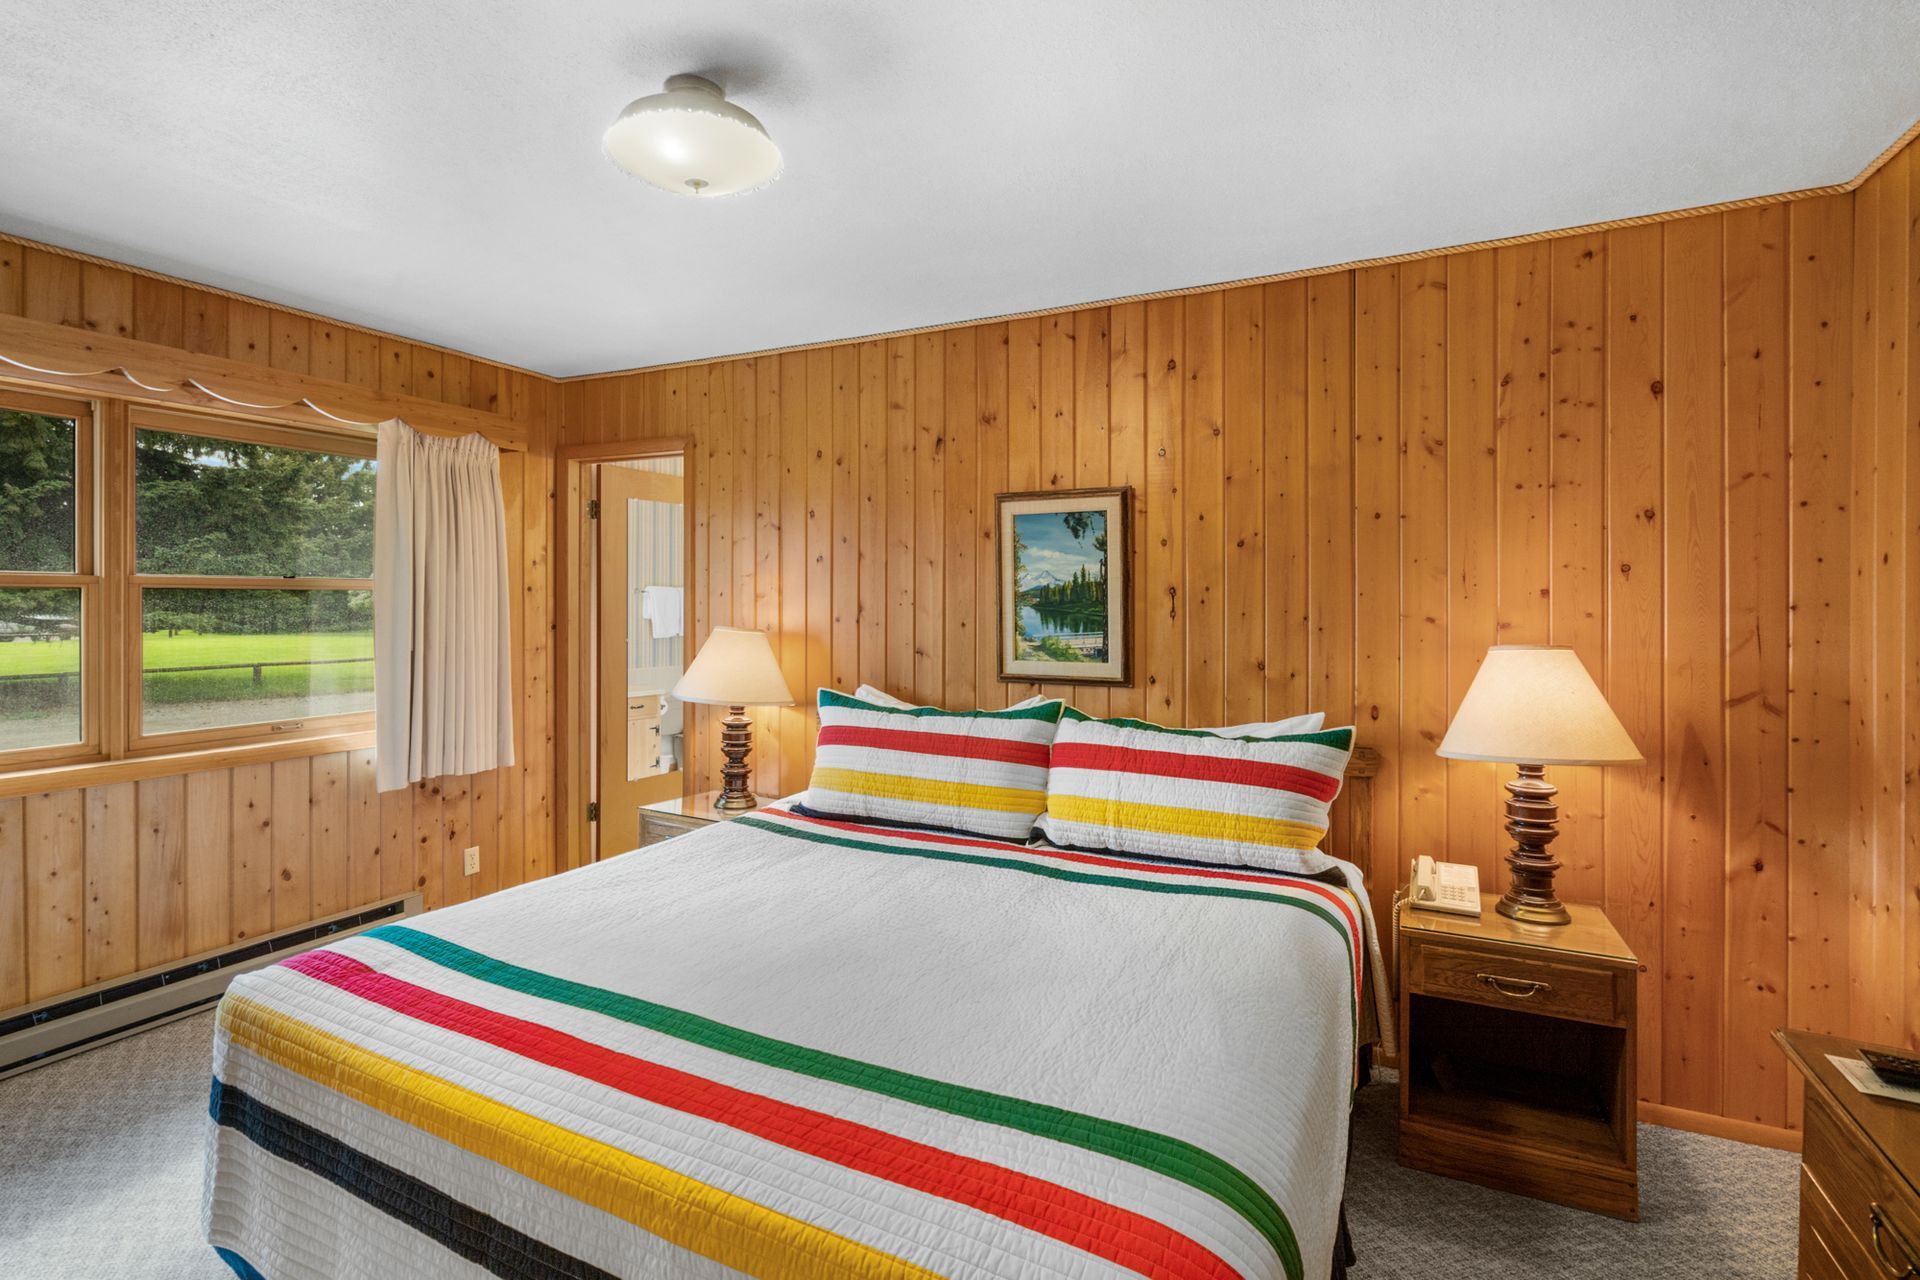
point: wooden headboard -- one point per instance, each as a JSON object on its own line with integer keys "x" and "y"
{"x": 1359, "y": 788}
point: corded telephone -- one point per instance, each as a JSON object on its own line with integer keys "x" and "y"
{"x": 1445, "y": 886}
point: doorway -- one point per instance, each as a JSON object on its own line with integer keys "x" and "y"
{"x": 626, "y": 630}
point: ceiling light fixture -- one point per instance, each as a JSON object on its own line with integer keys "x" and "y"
{"x": 691, "y": 141}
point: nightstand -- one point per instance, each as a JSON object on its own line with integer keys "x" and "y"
{"x": 1517, "y": 1055}
{"x": 665, "y": 819}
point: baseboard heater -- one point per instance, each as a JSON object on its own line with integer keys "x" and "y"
{"x": 38, "y": 1034}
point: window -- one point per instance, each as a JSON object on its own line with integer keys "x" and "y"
{"x": 48, "y": 591}
{"x": 253, "y": 576}
{"x": 171, "y": 581}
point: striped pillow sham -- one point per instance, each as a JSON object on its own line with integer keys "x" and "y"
{"x": 978, "y": 772}
{"x": 1134, "y": 787}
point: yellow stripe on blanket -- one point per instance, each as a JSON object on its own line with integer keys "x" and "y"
{"x": 1202, "y": 824}
{"x": 731, "y": 1230}
{"x": 967, "y": 795}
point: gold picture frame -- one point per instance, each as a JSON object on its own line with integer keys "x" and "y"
{"x": 1065, "y": 586}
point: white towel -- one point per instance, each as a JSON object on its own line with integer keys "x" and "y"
{"x": 664, "y": 608}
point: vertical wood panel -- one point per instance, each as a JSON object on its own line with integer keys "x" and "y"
{"x": 790, "y": 640}
{"x": 961, "y": 527}
{"x": 1203, "y": 463}
{"x": 1757, "y": 559}
{"x": 1576, "y": 363}
{"x": 1424, "y": 522}
{"x": 1880, "y": 1016}
{"x": 929, "y": 518}
{"x": 327, "y": 828}
{"x": 162, "y": 838}
{"x": 1694, "y": 899}
{"x": 252, "y": 903}
{"x": 112, "y": 920}
{"x": 1376, "y": 537}
{"x": 991, "y": 353}
{"x": 1284, "y": 500}
{"x": 1126, "y": 466}
{"x": 1243, "y": 504}
{"x": 209, "y": 860}
{"x": 1819, "y": 491}
{"x": 1331, "y": 500}
{"x": 1163, "y": 674}
{"x": 292, "y": 847}
{"x": 1636, "y": 612}
{"x": 55, "y": 897}
{"x": 819, "y": 546}
{"x": 900, "y": 445}
{"x": 13, "y": 902}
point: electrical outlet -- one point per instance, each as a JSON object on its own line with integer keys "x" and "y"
{"x": 473, "y": 860}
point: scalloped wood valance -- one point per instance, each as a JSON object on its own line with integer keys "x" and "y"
{"x": 55, "y": 355}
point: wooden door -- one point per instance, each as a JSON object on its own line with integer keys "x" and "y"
{"x": 641, "y": 584}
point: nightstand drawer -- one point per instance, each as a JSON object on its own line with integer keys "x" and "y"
{"x": 1509, "y": 980}
{"x": 655, "y": 827}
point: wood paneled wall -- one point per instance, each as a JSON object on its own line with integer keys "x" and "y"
{"x": 99, "y": 881}
{"x": 1687, "y": 449}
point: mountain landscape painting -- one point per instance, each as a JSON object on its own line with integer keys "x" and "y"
{"x": 1063, "y": 567}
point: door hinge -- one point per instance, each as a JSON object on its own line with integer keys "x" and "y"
{"x": 593, "y": 811}
{"x": 593, "y": 508}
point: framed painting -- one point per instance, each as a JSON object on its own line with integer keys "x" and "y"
{"x": 1064, "y": 557}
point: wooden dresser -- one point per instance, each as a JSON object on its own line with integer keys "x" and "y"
{"x": 1859, "y": 1172}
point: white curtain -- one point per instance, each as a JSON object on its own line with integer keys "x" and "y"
{"x": 442, "y": 679}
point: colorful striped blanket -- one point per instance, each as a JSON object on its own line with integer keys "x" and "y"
{"x": 784, "y": 1046}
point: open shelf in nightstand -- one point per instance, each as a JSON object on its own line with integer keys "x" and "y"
{"x": 1500, "y": 1072}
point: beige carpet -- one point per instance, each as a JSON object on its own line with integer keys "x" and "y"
{"x": 100, "y": 1179}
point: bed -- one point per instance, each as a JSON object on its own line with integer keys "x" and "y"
{"x": 790, "y": 1046}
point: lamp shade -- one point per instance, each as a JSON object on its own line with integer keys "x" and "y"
{"x": 735, "y": 668}
{"x": 1536, "y": 704}
{"x": 691, "y": 141}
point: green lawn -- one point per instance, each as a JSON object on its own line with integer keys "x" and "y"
{"x": 189, "y": 649}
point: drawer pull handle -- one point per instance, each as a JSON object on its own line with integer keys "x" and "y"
{"x": 1516, "y": 988}
{"x": 1895, "y": 1267}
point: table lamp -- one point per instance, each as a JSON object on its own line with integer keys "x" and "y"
{"x": 735, "y": 669}
{"x": 1533, "y": 705}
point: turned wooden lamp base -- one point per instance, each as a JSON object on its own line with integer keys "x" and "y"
{"x": 1533, "y": 820}
{"x": 736, "y": 744}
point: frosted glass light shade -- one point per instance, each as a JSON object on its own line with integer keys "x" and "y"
{"x": 691, "y": 141}
{"x": 1536, "y": 704}
{"x": 735, "y": 668}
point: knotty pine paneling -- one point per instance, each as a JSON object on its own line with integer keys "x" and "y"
{"x": 1687, "y": 449}
{"x": 100, "y": 881}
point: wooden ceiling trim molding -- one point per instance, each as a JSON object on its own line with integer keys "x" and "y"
{"x": 56, "y": 355}
{"x": 1672, "y": 215}
{"x": 236, "y": 296}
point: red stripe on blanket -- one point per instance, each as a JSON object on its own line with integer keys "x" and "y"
{"x": 1108, "y": 1231}
{"x": 1174, "y": 764}
{"x": 922, "y": 743}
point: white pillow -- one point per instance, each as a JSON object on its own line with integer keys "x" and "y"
{"x": 867, "y": 693}
{"x": 1312, "y": 722}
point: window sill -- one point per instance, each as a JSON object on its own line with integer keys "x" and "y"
{"x": 96, "y": 773}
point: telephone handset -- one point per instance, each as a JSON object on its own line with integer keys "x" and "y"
{"x": 1445, "y": 886}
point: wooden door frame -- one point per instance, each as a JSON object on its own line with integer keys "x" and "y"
{"x": 574, "y": 631}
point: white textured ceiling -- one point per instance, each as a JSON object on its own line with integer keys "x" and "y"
{"x": 433, "y": 167}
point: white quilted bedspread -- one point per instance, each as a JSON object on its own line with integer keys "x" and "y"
{"x": 787, "y": 1047}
